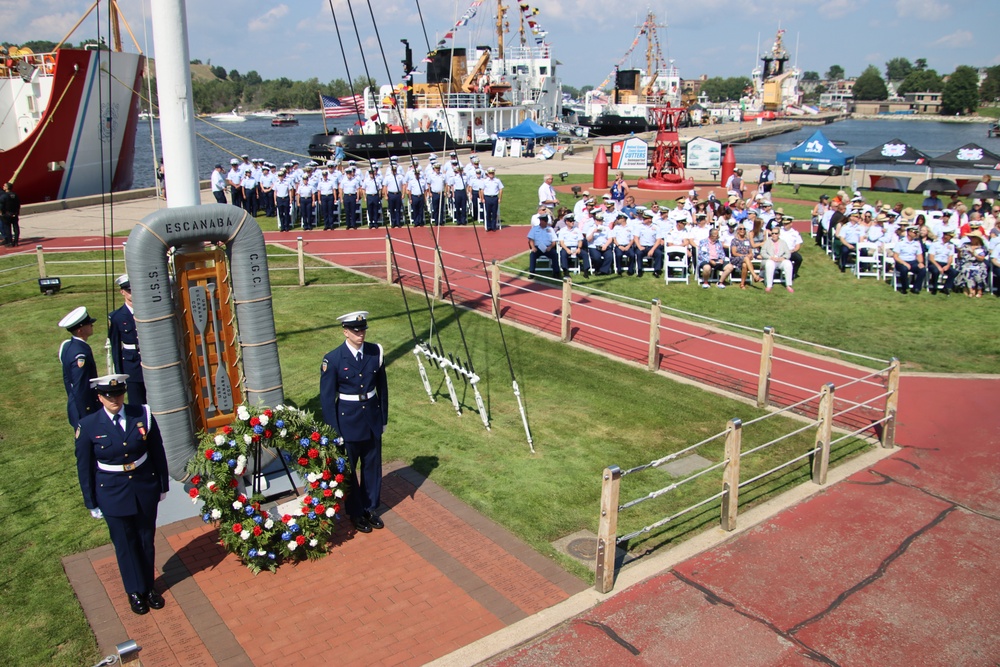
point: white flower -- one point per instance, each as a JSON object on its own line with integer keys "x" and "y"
{"x": 279, "y": 408}
{"x": 312, "y": 477}
{"x": 291, "y": 545}
{"x": 245, "y": 534}
{"x": 220, "y": 440}
{"x": 329, "y": 511}
{"x": 313, "y": 542}
{"x": 247, "y": 438}
{"x": 243, "y": 413}
{"x": 264, "y": 419}
{"x": 241, "y": 464}
{"x": 216, "y": 513}
{"x": 338, "y": 493}
{"x": 291, "y": 522}
{"x": 269, "y": 524}
{"x": 194, "y": 501}
{"x": 284, "y": 432}
{"x": 237, "y": 505}
{"x": 212, "y": 486}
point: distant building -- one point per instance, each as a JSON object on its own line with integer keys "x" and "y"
{"x": 927, "y": 102}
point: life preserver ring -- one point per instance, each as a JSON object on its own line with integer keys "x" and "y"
{"x": 49, "y": 63}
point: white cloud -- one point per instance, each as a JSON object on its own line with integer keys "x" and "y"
{"x": 56, "y": 25}
{"x": 956, "y": 40}
{"x": 837, "y": 9}
{"x": 266, "y": 21}
{"x": 926, "y": 10}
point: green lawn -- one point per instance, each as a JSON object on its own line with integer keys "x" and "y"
{"x": 579, "y": 427}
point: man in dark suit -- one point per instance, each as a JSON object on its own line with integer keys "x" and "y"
{"x": 123, "y": 475}
{"x": 10, "y": 214}
{"x": 78, "y": 365}
{"x": 355, "y": 399}
{"x": 125, "y": 344}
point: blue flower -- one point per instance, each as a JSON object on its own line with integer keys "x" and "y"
{"x": 248, "y": 510}
{"x": 294, "y": 528}
{"x": 206, "y": 518}
{"x": 312, "y": 515}
{"x": 232, "y": 443}
{"x": 252, "y": 553}
{"x": 271, "y": 554}
{"x": 231, "y": 463}
{"x": 304, "y": 442}
{"x": 280, "y": 423}
{"x": 258, "y": 518}
{"x": 323, "y": 485}
{"x": 287, "y": 456}
{"x": 340, "y": 465}
{"x": 338, "y": 441}
{"x": 285, "y": 536}
{"x": 324, "y": 440}
{"x": 258, "y": 429}
{"x": 217, "y": 456}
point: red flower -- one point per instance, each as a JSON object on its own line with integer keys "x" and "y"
{"x": 196, "y": 480}
{"x": 233, "y": 483}
{"x": 237, "y": 528}
{"x": 257, "y": 530}
{"x": 227, "y": 429}
{"x": 255, "y": 438}
{"x": 265, "y": 515}
{"x": 268, "y": 433}
{"x": 320, "y": 508}
{"x": 303, "y": 461}
{"x": 268, "y": 413}
{"x": 315, "y": 436}
{"x": 193, "y": 493}
{"x": 300, "y": 540}
{"x": 339, "y": 479}
{"x": 327, "y": 493}
{"x": 285, "y": 518}
{"x": 308, "y": 500}
{"x": 314, "y": 485}
{"x": 254, "y": 421}
{"x": 313, "y": 452}
{"x": 241, "y": 498}
{"x": 336, "y": 507}
{"x": 327, "y": 475}
{"x": 208, "y": 454}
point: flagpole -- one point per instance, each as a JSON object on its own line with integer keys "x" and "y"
{"x": 322, "y": 108}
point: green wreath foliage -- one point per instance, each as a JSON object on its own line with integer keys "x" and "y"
{"x": 260, "y": 539}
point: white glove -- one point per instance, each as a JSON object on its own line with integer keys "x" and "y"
{"x": 163, "y": 496}
{"x": 97, "y": 514}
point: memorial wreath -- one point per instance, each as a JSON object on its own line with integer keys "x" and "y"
{"x": 262, "y": 539}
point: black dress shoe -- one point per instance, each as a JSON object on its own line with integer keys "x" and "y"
{"x": 155, "y": 600}
{"x": 361, "y": 524}
{"x": 138, "y": 604}
{"x": 374, "y": 521}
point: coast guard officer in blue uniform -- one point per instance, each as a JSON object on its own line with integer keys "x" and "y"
{"x": 909, "y": 257}
{"x": 123, "y": 475}
{"x": 78, "y": 366}
{"x": 125, "y": 344}
{"x": 354, "y": 395}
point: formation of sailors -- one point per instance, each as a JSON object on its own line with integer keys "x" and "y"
{"x": 350, "y": 194}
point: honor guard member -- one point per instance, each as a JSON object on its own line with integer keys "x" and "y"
{"x": 249, "y": 187}
{"x": 245, "y": 164}
{"x": 941, "y": 262}
{"x": 265, "y": 200}
{"x": 123, "y": 476}
{"x": 648, "y": 243}
{"x": 355, "y": 398}
{"x": 283, "y": 201}
{"x": 491, "y": 193}
{"x": 235, "y": 177}
{"x": 349, "y": 188}
{"x": 458, "y": 188}
{"x": 909, "y": 257}
{"x": 219, "y": 184}
{"x": 305, "y": 196}
{"x": 327, "y": 190}
{"x": 392, "y": 187}
{"x": 373, "y": 196}
{"x": 436, "y": 183}
{"x": 416, "y": 187}
{"x": 125, "y": 344}
{"x": 469, "y": 169}
{"x": 78, "y": 365}
{"x": 475, "y": 194}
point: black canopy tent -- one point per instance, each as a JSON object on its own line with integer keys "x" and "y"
{"x": 969, "y": 156}
{"x": 894, "y": 151}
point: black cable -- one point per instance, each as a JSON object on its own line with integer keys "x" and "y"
{"x": 108, "y": 296}
{"x": 343, "y": 54}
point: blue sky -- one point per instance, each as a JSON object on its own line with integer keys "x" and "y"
{"x": 297, "y": 38}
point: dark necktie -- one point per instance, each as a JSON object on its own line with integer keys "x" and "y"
{"x": 358, "y": 357}
{"x": 117, "y": 421}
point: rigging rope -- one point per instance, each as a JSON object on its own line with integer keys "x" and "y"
{"x": 107, "y": 207}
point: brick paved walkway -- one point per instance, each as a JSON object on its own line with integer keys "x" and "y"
{"x": 439, "y": 577}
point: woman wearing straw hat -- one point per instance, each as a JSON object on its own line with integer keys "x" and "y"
{"x": 972, "y": 272}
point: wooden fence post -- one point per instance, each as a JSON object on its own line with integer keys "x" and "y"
{"x": 567, "y": 302}
{"x": 824, "y": 432}
{"x": 438, "y": 273}
{"x": 891, "y": 403}
{"x": 41, "y": 261}
{"x": 607, "y": 529}
{"x": 388, "y": 260}
{"x": 302, "y": 261}
{"x": 731, "y": 474}
{"x": 495, "y": 289}
{"x": 654, "y": 336}
{"x": 764, "y": 379}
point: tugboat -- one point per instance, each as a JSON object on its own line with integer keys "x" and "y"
{"x": 636, "y": 92}
{"x": 775, "y": 85}
{"x": 67, "y": 127}
{"x": 284, "y": 120}
{"x": 468, "y": 97}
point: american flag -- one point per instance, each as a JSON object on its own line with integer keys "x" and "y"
{"x": 343, "y": 107}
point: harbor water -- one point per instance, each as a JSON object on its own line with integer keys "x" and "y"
{"x": 218, "y": 141}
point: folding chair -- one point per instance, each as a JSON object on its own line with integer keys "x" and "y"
{"x": 867, "y": 260}
{"x": 675, "y": 265}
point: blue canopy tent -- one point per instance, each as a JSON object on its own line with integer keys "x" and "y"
{"x": 528, "y": 129}
{"x": 816, "y": 154}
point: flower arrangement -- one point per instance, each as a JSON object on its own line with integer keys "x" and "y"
{"x": 260, "y": 539}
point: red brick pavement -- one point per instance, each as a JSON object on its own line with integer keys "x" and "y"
{"x": 437, "y": 578}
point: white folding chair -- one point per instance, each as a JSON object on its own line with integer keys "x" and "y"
{"x": 867, "y": 260}
{"x": 675, "y": 265}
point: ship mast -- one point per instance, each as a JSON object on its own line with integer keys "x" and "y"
{"x": 501, "y": 10}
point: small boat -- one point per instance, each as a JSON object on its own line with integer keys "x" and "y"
{"x": 231, "y": 117}
{"x": 264, "y": 114}
{"x": 284, "y": 120}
